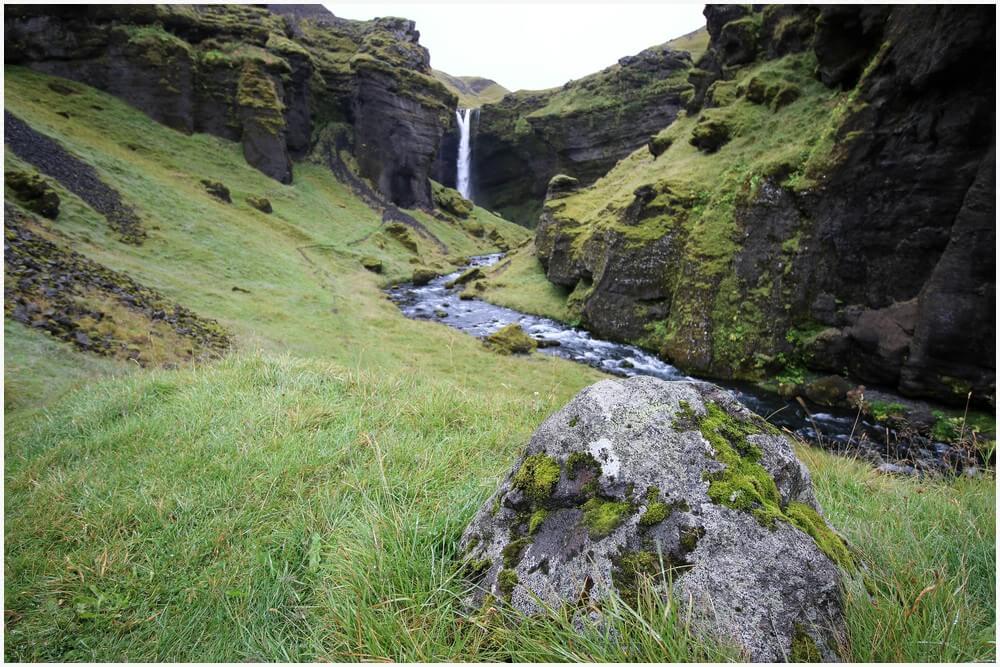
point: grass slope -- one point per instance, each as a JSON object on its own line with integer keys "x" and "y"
{"x": 472, "y": 91}
{"x": 302, "y": 498}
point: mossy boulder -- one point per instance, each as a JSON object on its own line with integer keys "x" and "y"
{"x": 642, "y": 480}
{"x": 511, "y": 340}
{"x": 451, "y": 201}
{"x": 474, "y": 228}
{"x": 658, "y": 144}
{"x": 372, "y": 264}
{"x": 475, "y": 273}
{"x": 217, "y": 190}
{"x": 829, "y": 391}
{"x": 710, "y": 134}
{"x": 33, "y": 192}
{"x": 262, "y": 204}
{"x": 560, "y": 185}
{"x": 403, "y": 234}
{"x": 774, "y": 94}
{"x": 423, "y": 276}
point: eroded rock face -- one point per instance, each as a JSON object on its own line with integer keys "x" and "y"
{"x": 880, "y": 266}
{"x": 264, "y": 77}
{"x": 528, "y": 137}
{"x": 645, "y": 478}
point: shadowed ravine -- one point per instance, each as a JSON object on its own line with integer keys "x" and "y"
{"x": 840, "y": 430}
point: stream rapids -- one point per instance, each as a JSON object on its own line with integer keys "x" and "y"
{"x": 843, "y": 431}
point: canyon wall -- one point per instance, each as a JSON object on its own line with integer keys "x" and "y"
{"x": 270, "y": 78}
{"x": 825, "y": 203}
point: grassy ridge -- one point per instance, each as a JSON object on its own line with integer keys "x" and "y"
{"x": 302, "y": 498}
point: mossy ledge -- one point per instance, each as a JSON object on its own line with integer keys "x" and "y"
{"x": 746, "y": 485}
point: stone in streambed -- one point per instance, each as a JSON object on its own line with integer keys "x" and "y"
{"x": 511, "y": 340}
{"x": 644, "y": 478}
{"x": 474, "y": 273}
{"x": 829, "y": 391}
{"x": 423, "y": 276}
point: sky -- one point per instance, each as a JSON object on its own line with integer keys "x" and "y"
{"x": 533, "y": 45}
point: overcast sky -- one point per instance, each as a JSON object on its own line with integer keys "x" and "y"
{"x": 532, "y": 45}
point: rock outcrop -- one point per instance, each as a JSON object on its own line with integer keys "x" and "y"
{"x": 581, "y": 129}
{"x": 645, "y": 480}
{"x": 268, "y": 78}
{"x": 840, "y": 217}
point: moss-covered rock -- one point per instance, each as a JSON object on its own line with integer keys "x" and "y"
{"x": 372, "y": 264}
{"x": 659, "y": 144}
{"x": 710, "y": 134}
{"x": 262, "y": 204}
{"x": 475, "y": 273}
{"x": 511, "y": 339}
{"x": 451, "y": 201}
{"x": 404, "y": 235}
{"x": 33, "y": 192}
{"x": 217, "y": 190}
{"x": 611, "y": 495}
{"x": 423, "y": 276}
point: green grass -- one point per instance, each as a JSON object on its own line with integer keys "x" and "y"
{"x": 302, "y": 499}
{"x": 519, "y": 282}
{"x": 695, "y": 43}
{"x": 472, "y": 91}
{"x": 930, "y": 550}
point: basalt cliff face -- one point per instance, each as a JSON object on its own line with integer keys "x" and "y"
{"x": 272, "y": 78}
{"x": 581, "y": 129}
{"x": 825, "y": 203}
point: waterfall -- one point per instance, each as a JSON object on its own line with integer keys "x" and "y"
{"x": 463, "y": 167}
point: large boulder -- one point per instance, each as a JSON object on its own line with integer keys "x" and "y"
{"x": 671, "y": 481}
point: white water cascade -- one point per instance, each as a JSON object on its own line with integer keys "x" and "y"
{"x": 463, "y": 167}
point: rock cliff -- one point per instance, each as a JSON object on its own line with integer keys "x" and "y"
{"x": 270, "y": 78}
{"x": 825, "y": 202}
{"x": 581, "y": 129}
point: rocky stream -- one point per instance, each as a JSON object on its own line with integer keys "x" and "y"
{"x": 844, "y": 431}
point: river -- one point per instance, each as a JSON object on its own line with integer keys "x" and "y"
{"x": 840, "y": 430}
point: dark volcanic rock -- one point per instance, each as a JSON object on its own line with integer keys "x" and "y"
{"x": 640, "y": 478}
{"x": 49, "y": 287}
{"x": 527, "y": 138}
{"x": 846, "y": 38}
{"x": 73, "y": 174}
{"x": 217, "y": 190}
{"x": 262, "y": 204}
{"x": 265, "y": 78}
{"x": 881, "y": 265}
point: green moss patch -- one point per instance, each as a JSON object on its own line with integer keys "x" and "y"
{"x": 809, "y": 521}
{"x": 656, "y": 509}
{"x": 537, "y": 519}
{"x": 745, "y": 484}
{"x": 601, "y": 516}
{"x": 537, "y": 476}
{"x": 804, "y": 648}
{"x": 507, "y": 580}
{"x": 511, "y": 340}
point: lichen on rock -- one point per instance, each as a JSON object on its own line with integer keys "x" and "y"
{"x": 615, "y": 489}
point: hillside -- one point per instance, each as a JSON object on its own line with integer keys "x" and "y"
{"x": 472, "y": 91}
{"x": 223, "y": 442}
{"x": 775, "y": 227}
